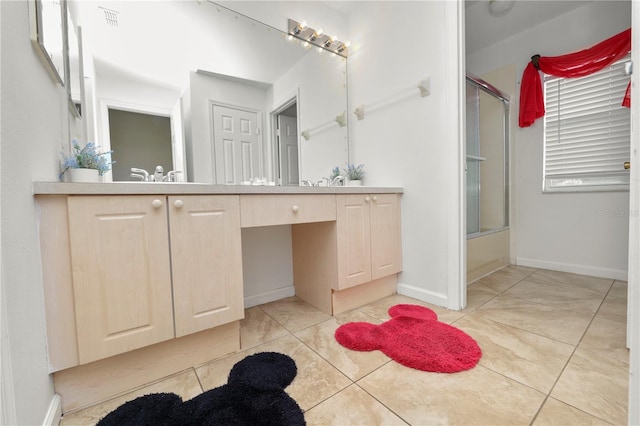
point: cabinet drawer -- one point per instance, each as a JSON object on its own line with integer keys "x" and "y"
{"x": 266, "y": 210}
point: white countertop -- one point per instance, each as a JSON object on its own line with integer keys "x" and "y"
{"x": 151, "y": 188}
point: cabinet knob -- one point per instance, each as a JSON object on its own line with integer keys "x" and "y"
{"x": 156, "y": 204}
{"x": 295, "y": 208}
{"x": 375, "y": 198}
{"x": 367, "y": 199}
{"x": 178, "y": 203}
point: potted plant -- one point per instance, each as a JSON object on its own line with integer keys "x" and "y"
{"x": 354, "y": 174}
{"x": 86, "y": 164}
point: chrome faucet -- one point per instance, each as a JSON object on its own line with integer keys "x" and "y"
{"x": 337, "y": 181}
{"x": 141, "y": 174}
{"x": 172, "y": 176}
{"x": 157, "y": 176}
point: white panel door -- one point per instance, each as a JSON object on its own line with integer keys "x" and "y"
{"x": 288, "y": 128}
{"x": 236, "y": 140}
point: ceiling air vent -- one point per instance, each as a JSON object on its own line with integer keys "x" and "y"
{"x": 111, "y": 16}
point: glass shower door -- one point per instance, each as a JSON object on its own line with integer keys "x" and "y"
{"x": 486, "y": 158}
{"x": 473, "y": 162}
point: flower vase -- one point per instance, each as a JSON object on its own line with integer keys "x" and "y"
{"x": 84, "y": 175}
{"x": 354, "y": 182}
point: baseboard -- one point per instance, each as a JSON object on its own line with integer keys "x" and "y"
{"x": 438, "y": 299}
{"x": 270, "y": 296}
{"x": 54, "y": 413}
{"x": 614, "y": 274}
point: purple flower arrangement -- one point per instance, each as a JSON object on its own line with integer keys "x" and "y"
{"x": 87, "y": 157}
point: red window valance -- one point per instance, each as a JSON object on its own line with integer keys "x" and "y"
{"x": 577, "y": 64}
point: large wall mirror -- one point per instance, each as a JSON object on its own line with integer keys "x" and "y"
{"x": 234, "y": 96}
{"x": 47, "y": 29}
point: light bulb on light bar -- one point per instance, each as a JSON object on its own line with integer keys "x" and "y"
{"x": 301, "y": 26}
{"x": 317, "y": 38}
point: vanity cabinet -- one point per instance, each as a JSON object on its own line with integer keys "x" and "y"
{"x": 368, "y": 238}
{"x": 144, "y": 281}
{"x": 342, "y": 264}
{"x": 150, "y": 268}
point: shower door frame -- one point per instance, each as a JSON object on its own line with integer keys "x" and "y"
{"x": 504, "y": 98}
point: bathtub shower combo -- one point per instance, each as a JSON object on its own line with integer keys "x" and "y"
{"x": 487, "y": 177}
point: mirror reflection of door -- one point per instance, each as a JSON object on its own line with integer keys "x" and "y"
{"x": 236, "y": 141}
{"x": 288, "y": 146}
{"x": 139, "y": 140}
{"x": 285, "y": 122}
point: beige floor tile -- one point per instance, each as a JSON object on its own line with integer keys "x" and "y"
{"x": 506, "y": 277}
{"x": 556, "y": 323}
{"x": 474, "y": 397}
{"x": 594, "y": 383}
{"x": 477, "y": 295}
{"x": 607, "y": 337}
{"x": 527, "y": 322}
{"x": 563, "y": 295}
{"x": 257, "y": 328}
{"x": 601, "y": 285}
{"x": 184, "y": 384}
{"x": 529, "y": 358}
{"x": 557, "y": 413}
{"x": 614, "y": 306}
{"x": 353, "y": 364}
{"x": 316, "y": 379}
{"x": 352, "y": 406}
{"x": 294, "y": 314}
{"x": 380, "y": 308}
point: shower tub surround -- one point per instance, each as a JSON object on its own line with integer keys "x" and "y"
{"x": 143, "y": 280}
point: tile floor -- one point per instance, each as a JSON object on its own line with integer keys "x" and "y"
{"x": 553, "y": 354}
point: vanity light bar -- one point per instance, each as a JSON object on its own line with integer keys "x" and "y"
{"x": 308, "y": 35}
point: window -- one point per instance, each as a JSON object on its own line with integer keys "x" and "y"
{"x": 587, "y": 132}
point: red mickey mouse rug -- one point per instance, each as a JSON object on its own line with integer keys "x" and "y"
{"x": 415, "y": 338}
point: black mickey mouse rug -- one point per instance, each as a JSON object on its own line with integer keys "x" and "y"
{"x": 254, "y": 395}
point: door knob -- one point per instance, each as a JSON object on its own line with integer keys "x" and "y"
{"x": 627, "y": 165}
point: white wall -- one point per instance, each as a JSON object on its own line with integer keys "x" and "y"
{"x": 35, "y": 127}
{"x": 416, "y": 142}
{"x": 583, "y": 233}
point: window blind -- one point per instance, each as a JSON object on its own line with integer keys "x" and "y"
{"x": 587, "y": 131}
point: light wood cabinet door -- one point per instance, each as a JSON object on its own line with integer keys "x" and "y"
{"x": 121, "y": 273}
{"x": 206, "y": 259}
{"x": 354, "y": 240}
{"x": 386, "y": 240}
